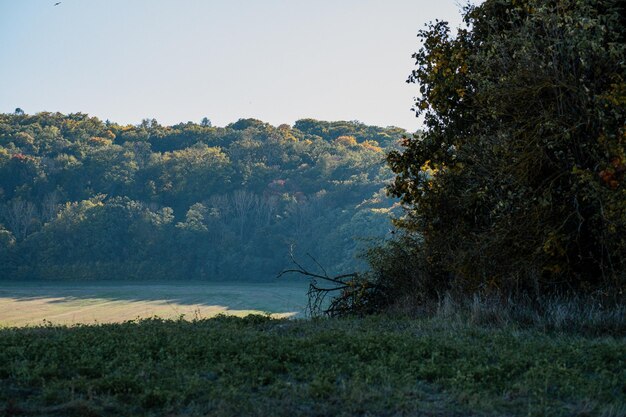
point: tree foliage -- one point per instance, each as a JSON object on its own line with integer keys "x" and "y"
{"x": 517, "y": 184}
{"x": 86, "y": 199}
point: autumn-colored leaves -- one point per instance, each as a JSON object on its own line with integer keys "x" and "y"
{"x": 613, "y": 175}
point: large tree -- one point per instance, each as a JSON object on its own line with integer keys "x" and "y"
{"x": 517, "y": 184}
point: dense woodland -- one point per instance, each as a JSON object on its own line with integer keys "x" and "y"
{"x": 85, "y": 199}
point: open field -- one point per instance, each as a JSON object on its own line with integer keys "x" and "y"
{"x": 255, "y": 366}
{"x": 118, "y": 364}
{"x": 30, "y": 303}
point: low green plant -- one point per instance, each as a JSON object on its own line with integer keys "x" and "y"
{"x": 257, "y": 366}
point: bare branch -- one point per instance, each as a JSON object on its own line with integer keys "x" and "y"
{"x": 341, "y": 289}
{"x": 318, "y": 264}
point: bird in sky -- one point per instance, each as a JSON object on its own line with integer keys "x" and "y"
{"x": 57, "y": 3}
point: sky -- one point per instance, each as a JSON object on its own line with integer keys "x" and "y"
{"x": 182, "y": 60}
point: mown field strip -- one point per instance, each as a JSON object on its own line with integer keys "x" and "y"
{"x": 30, "y": 304}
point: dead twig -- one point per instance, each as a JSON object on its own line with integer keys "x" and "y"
{"x": 339, "y": 287}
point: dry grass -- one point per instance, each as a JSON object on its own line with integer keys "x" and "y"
{"x": 566, "y": 314}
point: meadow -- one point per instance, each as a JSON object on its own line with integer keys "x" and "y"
{"x": 24, "y": 303}
{"x": 259, "y": 366}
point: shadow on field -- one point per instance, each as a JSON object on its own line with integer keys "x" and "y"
{"x": 275, "y": 297}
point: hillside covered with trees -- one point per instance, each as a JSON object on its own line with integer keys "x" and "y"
{"x": 85, "y": 199}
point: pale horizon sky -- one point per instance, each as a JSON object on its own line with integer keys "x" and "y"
{"x": 178, "y": 61}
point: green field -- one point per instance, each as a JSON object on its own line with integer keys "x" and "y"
{"x": 116, "y": 363}
{"x": 256, "y": 366}
{"x": 24, "y": 304}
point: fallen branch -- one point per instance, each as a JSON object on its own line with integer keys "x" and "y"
{"x": 346, "y": 291}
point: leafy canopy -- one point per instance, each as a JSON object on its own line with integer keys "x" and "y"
{"x": 517, "y": 184}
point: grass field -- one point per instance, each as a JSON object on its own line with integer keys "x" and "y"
{"x": 256, "y": 366}
{"x": 117, "y": 364}
{"x": 24, "y": 304}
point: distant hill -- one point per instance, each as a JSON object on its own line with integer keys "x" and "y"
{"x": 85, "y": 199}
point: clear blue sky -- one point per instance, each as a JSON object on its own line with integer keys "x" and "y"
{"x": 181, "y": 60}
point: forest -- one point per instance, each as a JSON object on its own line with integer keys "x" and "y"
{"x": 86, "y": 199}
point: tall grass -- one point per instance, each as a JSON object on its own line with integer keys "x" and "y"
{"x": 575, "y": 315}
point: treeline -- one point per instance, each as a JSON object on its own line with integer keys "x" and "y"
{"x": 85, "y": 199}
